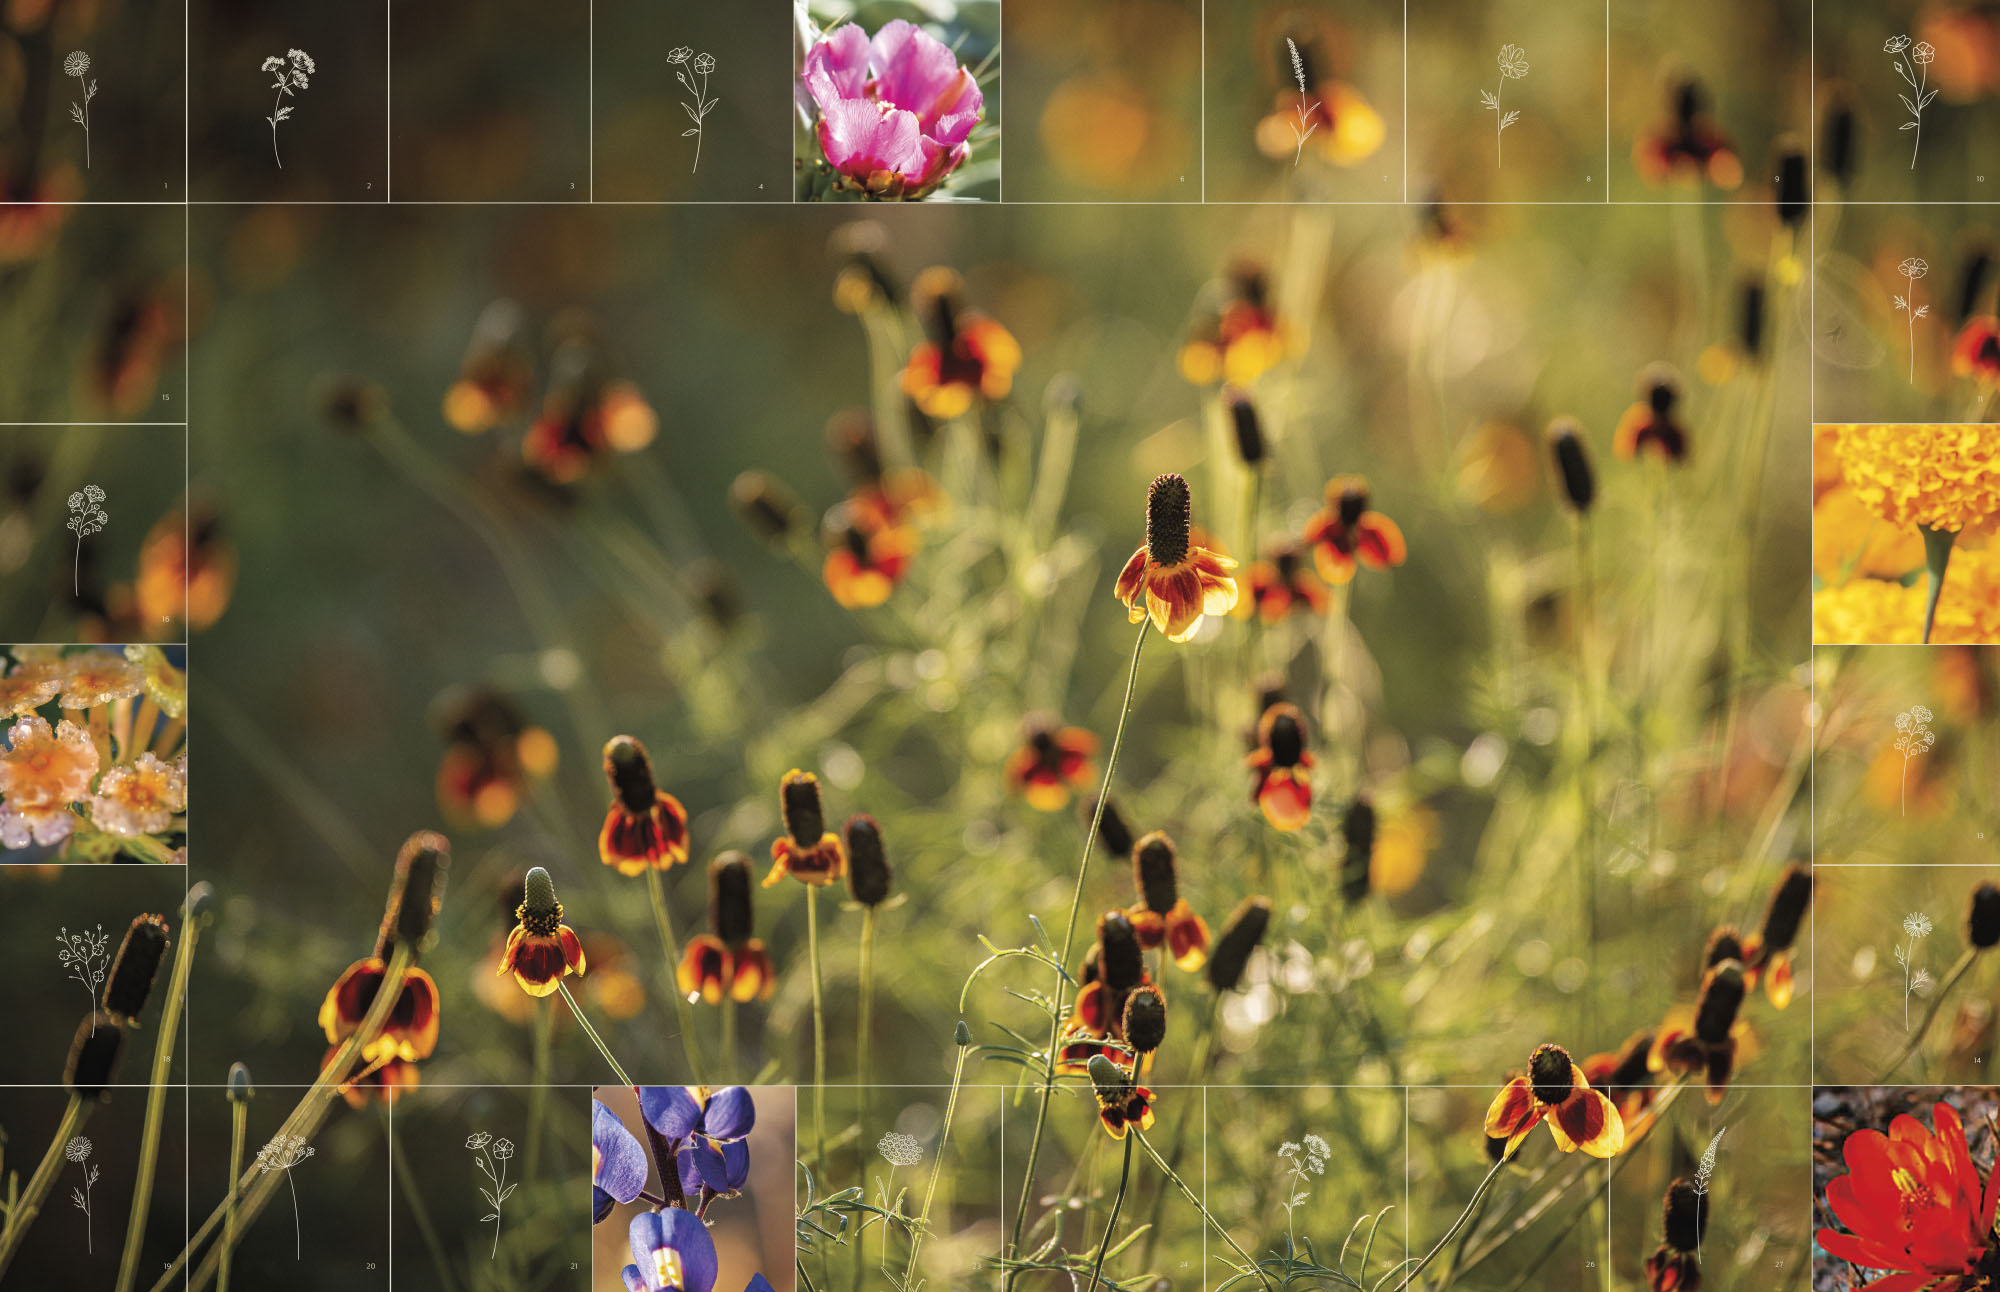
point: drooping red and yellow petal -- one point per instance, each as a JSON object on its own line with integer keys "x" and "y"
{"x": 1586, "y": 1120}
{"x": 1286, "y": 798}
{"x": 754, "y": 979}
{"x": 1187, "y": 937}
{"x": 1511, "y": 1110}
{"x": 705, "y": 968}
{"x": 634, "y": 842}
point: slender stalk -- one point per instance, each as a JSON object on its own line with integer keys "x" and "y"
{"x": 1197, "y": 1075}
{"x": 591, "y": 1032}
{"x": 865, "y": 1028}
{"x": 729, "y": 1036}
{"x": 239, "y": 1125}
{"x": 163, "y": 1054}
{"x": 1249, "y": 1266}
{"x": 44, "y": 1178}
{"x": 1456, "y": 1225}
{"x": 1916, "y": 1038}
{"x": 1062, "y": 962}
{"x": 937, "y": 1164}
{"x": 656, "y": 889}
{"x": 1111, "y": 1224}
{"x": 819, "y": 1028}
{"x": 538, "y": 1101}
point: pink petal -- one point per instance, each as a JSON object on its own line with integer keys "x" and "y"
{"x": 860, "y": 138}
{"x": 836, "y": 67}
{"x": 916, "y": 70}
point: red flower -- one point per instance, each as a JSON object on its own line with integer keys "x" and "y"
{"x": 411, "y": 1030}
{"x": 582, "y": 420}
{"x": 1687, "y": 145}
{"x": 542, "y": 950}
{"x": 1915, "y": 1207}
{"x": 1649, "y": 425}
{"x": 1282, "y": 765}
{"x": 1051, "y": 762}
{"x": 1625, "y": 1078}
{"x": 645, "y": 826}
{"x": 867, "y": 551}
{"x": 1976, "y": 354}
{"x": 807, "y": 849}
{"x": 1345, "y": 531}
{"x": 1281, "y": 583}
{"x": 727, "y": 960}
{"x": 1555, "y": 1089}
{"x": 965, "y": 357}
{"x": 1172, "y": 579}
{"x": 1239, "y": 337}
{"x": 1161, "y": 916}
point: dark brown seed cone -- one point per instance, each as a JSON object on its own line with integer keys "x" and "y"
{"x": 1982, "y": 916}
{"x": 731, "y": 884}
{"x": 421, "y": 867}
{"x": 798, "y": 796}
{"x": 1357, "y": 827}
{"x": 1572, "y": 459}
{"x": 93, "y": 1055}
{"x": 765, "y": 505}
{"x": 1248, "y": 426}
{"x": 1793, "y": 190}
{"x": 1723, "y": 944}
{"x": 1551, "y": 1073}
{"x": 1684, "y": 1215}
{"x": 868, "y": 878}
{"x": 1231, "y": 954}
{"x": 1169, "y": 520}
{"x": 1721, "y": 997}
{"x": 630, "y": 770}
{"x": 137, "y": 964}
{"x": 1112, "y": 829}
{"x": 1787, "y": 910}
{"x": 1121, "y": 961}
{"x": 1145, "y": 1019}
{"x": 1153, "y": 873}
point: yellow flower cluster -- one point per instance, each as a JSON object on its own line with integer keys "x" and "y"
{"x": 1943, "y": 477}
{"x": 1874, "y": 610}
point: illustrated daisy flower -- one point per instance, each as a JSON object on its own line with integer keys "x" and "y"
{"x": 1236, "y": 335}
{"x": 807, "y": 850}
{"x": 42, "y": 772}
{"x": 1555, "y": 1090}
{"x": 1346, "y": 530}
{"x": 1161, "y": 916}
{"x": 140, "y": 797}
{"x": 1051, "y": 762}
{"x": 964, "y": 358}
{"x": 1282, "y": 766}
{"x": 542, "y": 950}
{"x": 1914, "y": 1207}
{"x": 645, "y": 826}
{"x": 1171, "y": 579}
{"x": 727, "y": 960}
{"x": 1649, "y": 425}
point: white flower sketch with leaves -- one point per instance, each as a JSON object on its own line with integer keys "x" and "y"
{"x": 289, "y": 74}
{"x": 1303, "y": 128}
{"x": 77, "y": 63}
{"x": 687, "y": 65}
{"x": 1912, "y": 268}
{"x": 1914, "y": 738}
{"x": 1912, "y": 62}
{"x": 1513, "y": 66}
{"x": 78, "y": 1151}
{"x": 86, "y": 955}
{"x": 1703, "y": 1176}
{"x": 282, "y": 1154}
{"x": 86, "y": 517}
{"x": 1918, "y": 926}
{"x": 491, "y": 1156}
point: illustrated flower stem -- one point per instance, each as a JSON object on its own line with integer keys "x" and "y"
{"x": 166, "y": 1029}
{"x": 703, "y": 96}
{"x": 1111, "y": 1223}
{"x": 76, "y": 569}
{"x": 1499, "y": 118}
{"x": 1916, "y": 1038}
{"x": 937, "y": 1164}
{"x": 86, "y": 120}
{"x": 278, "y": 102}
{"x": 1062, "y": 961}
{"x": 1249, "y": 1266}
{"x": 591, "y": 1032}
{"x": 44, "y": 1178}
{"x": 298, "y": 1241}
{"x": 656, "y": 889}
{"x": 819, "y": 1028}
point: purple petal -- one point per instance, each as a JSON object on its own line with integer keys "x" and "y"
{"x": 758, "y": 1283}
{"x": 729, "y": 1114}
{"x": 617, "y": 1161}
{"x": 670, "y": 1110}
{"x": 655, "y": 1234}
{"x": 723, "y": 1167}
{"x": 836, "y": 67}
{"x": 689, "y": 1171}
{"x": 634, "y": 1280}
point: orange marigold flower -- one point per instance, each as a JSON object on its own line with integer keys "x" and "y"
{"x": 1939, "y": 477}
{"x": 1161, "y": 916}
{"x": 411, "y": 1031}
{"x": 1050, "y": 763}
{"x": 1556, "y": 1090}
{"x": 1281, "y": 583}
{"x": 1707, "y": 1040}
{"x": 1283, "y": 767}
{"x": 542, "y": 950}
{"x": 807, "y": 850}
{"x": 645, "y": 826}
{"x": 1346, "y": 530}
{"x": 1876, "y": 610}
{"x": 965, "y": 357}
{"x": 1171, "y": 579}
{"x": 867, "y": 553}
{"x": 1687, "y": 145}
{"x": 1767, "y": 953}
{"x": 42, "y": 772}
{"x": 1236, "y": 336}
{"x": 727, "y": 960}
{"x": 1649, "y": 425}
{"x": 1914, "y": 1207}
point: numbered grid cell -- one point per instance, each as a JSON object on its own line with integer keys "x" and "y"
{"x": 96, "y": 314}
{"x": 741, "y": 149}
{"x": 747, "y": 1138}
{"x": 1304, "y": 103}
{"x": 290, "y": 101}
{"x": 1507, "y": 101}
{"x": 490, "y": 101}
{"x": 79, "y": 1236}
{"x": 98, "y": 91}
{"x": 1703, "y": 98}
{"x": 1107, "y": 101}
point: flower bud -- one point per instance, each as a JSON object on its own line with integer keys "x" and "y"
{"x": 961, "y": 1035}
{"x": 1357, "y": 827}
{"x": 1107, "y": 1078}
{"x": 1145, "y": 1019}
{"x": 1231, "y": 954}
{"x": 1982, "y": 917}
{"x": 239, "y": 1084}
{"x": 1169, "y": 520}
{"x": 93, "y": 1055}
{"x": 1121, "y": 960}
{"x": 1153, "y": 873}
{"x": 1787, "y": 909}
{"x": 1572, "y": 463}
{"x": 730, "y": 884}
{"x": 538, "y": 893}
{"x": 136, "y": 965}
{"x": 867, "y": 865}
{"x": 1249, "y": 428}
{"x": 419, "y": 886}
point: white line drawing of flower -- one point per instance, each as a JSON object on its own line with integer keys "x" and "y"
{"x": 77, "y": 63}
{"x": 687, "y": 65}
{"x": 491, "y": 1156}
{"x": 289, "y": 74}
{"x": 1914, "y": 738}
{"x": 1303, "y": 1159}
{"x": 78, "y": 1151}
{"x": 1912, "y": 61}
{"x": 1918, "y": 926}
{"x": 1305, "y": 125}
{"x": 1513, "y": 66}
{"x": 86, "y": 955}
{"x": 1912, "y": 268}
{"x": 1703, "y": 1175}
{"x": 85, "y": 518}
{"x": 282, "y": 1154}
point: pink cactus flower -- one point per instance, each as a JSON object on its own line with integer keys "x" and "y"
{"x": 894, "y": 111}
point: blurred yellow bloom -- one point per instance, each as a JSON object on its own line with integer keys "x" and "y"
{"x": 1850, "y": 540}
{"x": 1875, "y": 610}
{"x": 1403, "y": 845}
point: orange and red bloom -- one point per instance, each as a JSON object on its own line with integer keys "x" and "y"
{"x": 1556, "y": 1091}
{"x": 1283, "y": 767}
{"x": 1281, "y": 583}
{"x": 1625, "y": 1078}
{"x": 727, "y": 960}
{"x": 1114, "y": 968}
{"x": 585, "y": 416}
{"x": 1915, "y": 1208}
{"x": 1347, "y": 530}
{"x": 542, "y": 950}
{"x": 1239, "y": 337}
{"x": 965, "y": 358}
{"x": 1706, "y": 1040}
{"x": 1161, "y": 916}
{"x": 1171, "y": 579}
{"x": 1767, "y": 953}
{"x": 645, "y": 827}
{"x": 411, "y": 1031}
{"x": 1976, "y": 353}
{"x": 1687, "y": 145}
{"x": 807, "y": 851}
{"x": 1050, "y": 764}
{"x": 868, "y": 551}
{"x": 491, "y": 753}
{"x": 1649, "y": 425}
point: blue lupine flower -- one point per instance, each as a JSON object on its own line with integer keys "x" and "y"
{"x": 634, "y": 1280}
{"x": 672, "y": 1252}
{"x": 617, "y": 1162}
{"x": 711, "y": 1125}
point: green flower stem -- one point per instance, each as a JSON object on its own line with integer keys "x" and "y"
{"x": 1204, "y": 1049}
{"x": 1916, "y": 1038}
{"x": 1062, "y": 961}
{"x": 865, "y": 1026}
{"x": 1937, "y": 556}
{"x": 819, "y": 1028}
{"x": 1464, "y": 1217}
{"x": 44, "y": 1178}
{"x": 729, "y": 1065}
{"x": 538, "y": 1101}
{"x": 656, "y": 888}
{"x": 163, "y": 1056}
{"x": 1249, "y": 1266}
{"x": 239, "y": 1126}
{"x": 591, "y": 1032}
{"x": 1111, "y": 1224}
{"x": 937, "y": 1164}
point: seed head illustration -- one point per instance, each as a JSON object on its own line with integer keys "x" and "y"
{"x": 1307, "y": 123}
{"x": 77, "y": 63}
{"x": 898, "y": 1149}
{"x": 1513, "y": 66}
{"x": 85, "y": 518}
{"x": 289, "y": 74}
{"x": 78, "y": 1151}
{"x": 86, "y": 955}
{"x": 1917, "y": 926}
{"x": 1703, "y": 1176}
{"x": 282, "y": 1154}
{"x": 1914, "y": 737}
